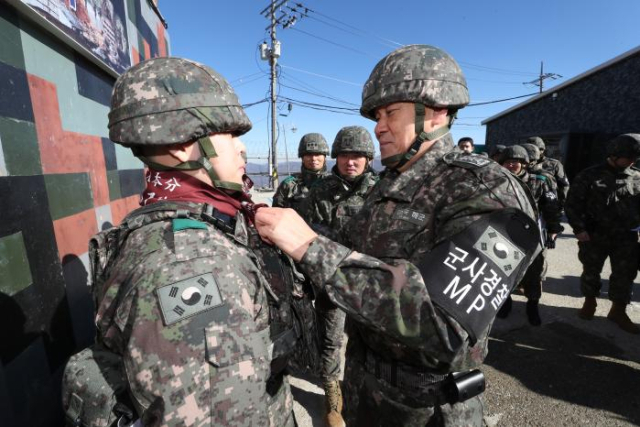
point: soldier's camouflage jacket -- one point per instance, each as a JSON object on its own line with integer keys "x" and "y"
{"x": 556, "y": 170}
{"x": 293, "y": 192}
{"x": 546, "y": 200}
{"x": 604, "y": 200}
{"x": 334, "y": 200}
{"x": 380, "y": 282}
{"x": 185, "y": 305}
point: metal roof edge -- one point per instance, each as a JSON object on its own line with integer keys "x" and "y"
{"x": 571, "y": 81}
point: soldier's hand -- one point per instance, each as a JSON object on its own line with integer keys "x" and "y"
{"x": 583, "y": 236}
{"x": 285, "y": 229}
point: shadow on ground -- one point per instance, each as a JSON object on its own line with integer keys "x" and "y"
{"x": 588, "y": 364}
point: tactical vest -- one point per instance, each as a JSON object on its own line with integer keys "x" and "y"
{"x": 95, "y": 385}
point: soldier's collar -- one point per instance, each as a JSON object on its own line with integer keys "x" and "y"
{"x": 404, "y": 185}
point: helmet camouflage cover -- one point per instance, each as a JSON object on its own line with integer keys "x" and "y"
{"x": 353, "y": 139}
{"x": 173, "y": 100}
{"x": 313, "y": 143}
{"x": 532, "y": 151}
{"x": 538, "y": 142}
{"x": 416, "y": 73}
{"x": 516, "y": 152}
{"x": 626, "y": 145}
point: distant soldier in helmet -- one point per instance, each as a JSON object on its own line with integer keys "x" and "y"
{"x": 465, "y": 144}
{"x": 534, "y": 166}
{"x": 603, "y": 208}
{"x": 517, "y": 160}
{"x": 554, "y": 167}
{"x": 333, "y": 201}
{"x": 496, "y": 152}
{"x": 195, "y": 314}
{"x": 294, "y": 190}
{"x": 424, "y": 266}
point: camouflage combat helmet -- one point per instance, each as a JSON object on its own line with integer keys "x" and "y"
{"x": 164, "y": 101}
{"x": 313, "y": 143}
{"x": 626, "y": 145}
{"x": 422, "y": 74}
{"x": 515, "y": 152}
{"x": 538, "y": 142}
{"x": 353, "y": 139}
{"x": 532, "y": 151}
{"x": 497, "y": 149}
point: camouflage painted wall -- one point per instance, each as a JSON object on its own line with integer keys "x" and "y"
{"x": 61, "y": 181}
{"x": 592, "y": 109}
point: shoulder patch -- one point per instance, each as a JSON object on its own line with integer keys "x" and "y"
{"x": 468, "y": 161}
{"x": 541, "y": 177}
{"x": 188, "y": 297}
{"x": 187, "y": 223}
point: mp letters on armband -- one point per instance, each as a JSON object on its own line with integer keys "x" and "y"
{"x": 471, "y": 275}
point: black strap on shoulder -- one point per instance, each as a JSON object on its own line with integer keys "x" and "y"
{"x": 470, "y": 275}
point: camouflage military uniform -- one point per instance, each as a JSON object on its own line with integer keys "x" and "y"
{"x": 193, "y": 309}
{"x": 294, "y": 190}
{"x": 548, "y": 207}
{"x": 332, "y": 203}
{"x": 386, "y": 288}
{"x": 192, "y": 361}
{"x": 605, "y": 203}
{"x": 556, "y": 170}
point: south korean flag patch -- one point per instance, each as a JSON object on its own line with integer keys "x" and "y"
{"x": 188, "y": 297}
{"x": 470, "y": 275}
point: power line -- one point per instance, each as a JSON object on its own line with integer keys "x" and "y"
{"x": 499, "y": 100}
{"x": 322, "y": 75}
{"x": 246, "y": 77}
{"x": 396, "y": 44}
{"x": 334, "y": 43}
{"x": 318, "y": 95}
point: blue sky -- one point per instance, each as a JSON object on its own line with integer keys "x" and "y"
{"x": 499, "y": 45}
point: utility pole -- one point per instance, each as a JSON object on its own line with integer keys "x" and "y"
{"x": 540, "y": 80}
{"x": 272, "y": 53}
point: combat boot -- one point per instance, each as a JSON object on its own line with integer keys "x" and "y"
{"x": 532, "y": 313}
{"x": 618, "y": 315}
{"x": 588, "y": 308}
{"x": 333, "y": 404}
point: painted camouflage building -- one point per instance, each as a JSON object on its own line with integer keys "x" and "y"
{"x": 576, "y": 118}
{"x": 61, "y": 180}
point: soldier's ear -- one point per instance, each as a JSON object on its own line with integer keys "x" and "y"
{"x": 184, "y": 152}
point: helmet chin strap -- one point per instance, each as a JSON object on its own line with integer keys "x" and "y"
{"x": 399, "y": 160}
{"x": 208, "y": 151}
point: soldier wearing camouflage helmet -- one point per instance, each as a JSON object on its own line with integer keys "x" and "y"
{"x": 603, "y": 208}
{"x": 516, "y": 159}
{"x": 496, "y": 152}
{"x": 294, "y": 190}
{"x": 534, "y": 166}
{"x": 333, "y": 201}
{"x": 553, "y": 167}
{"x": 423, "y": 267}
{"x": 194, "y": 312}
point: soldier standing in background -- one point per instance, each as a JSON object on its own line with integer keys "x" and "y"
{"x": 333, "y": 201}
{"x": 294, "y": 190}
{"x": 496, "y": 152}
{"x": 516, "y": 160}
{"x": 465, "y": 144}
{"x": 439, "y": 243}
{"x": 196, "y": 315}
{"x": 603, "y": 208}
{"x": 554, "y": 167}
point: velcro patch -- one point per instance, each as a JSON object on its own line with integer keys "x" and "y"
{"x": 188, "y": 297}
{"x": 470, "y": 275}
{"x": 187, "y": 223}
